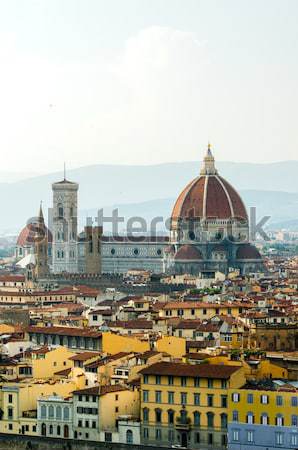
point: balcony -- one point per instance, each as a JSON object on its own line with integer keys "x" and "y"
{"x": 183, "y": 423}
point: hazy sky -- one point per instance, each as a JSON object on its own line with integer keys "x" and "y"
{"x": 147, "y": 81}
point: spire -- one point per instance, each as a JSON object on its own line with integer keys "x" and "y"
{"x": 64, "y": 172}
{"x": 208, "y": 163}
{"x": 40, "y": 215}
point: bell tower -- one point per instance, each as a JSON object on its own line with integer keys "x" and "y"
{"x": 65, "y": 226}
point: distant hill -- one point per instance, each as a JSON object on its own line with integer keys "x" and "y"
{"x": 149, "y": 185}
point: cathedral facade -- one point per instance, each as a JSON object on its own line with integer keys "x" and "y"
{"x": 209, "y": 232}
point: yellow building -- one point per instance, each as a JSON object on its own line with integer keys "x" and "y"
{"x": 202, "y": 311}
{"x": 187, "y": 404}
{"x": 19, "y": 401}
{"x": 45, "y": 362}
{"x": 113, "y": 343}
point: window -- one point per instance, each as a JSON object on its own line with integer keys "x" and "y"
{"x": 250, "y": 436}
{"x": 264, "y": 419}
{"x": 157, "y": 396}
{"x": 171, "y": 397}
{"x": 170, "y": 380}
{"x": 235, "y": 435}
{"x": 171, "y": 416}
{"x": 129, "y": 437}
{"x": 171, "y": 435}
{"x": 196, "y": 399}
{"x": 51, "y": 429}
{"x": 158, "y": 415}
{"x": 10, "y": 427}
{"x": 58, "y": 413}
{"x": 196, "y": 382}
{"x": 224, "y": 384}
{"x": 236, "y": 397}
{"x": 93, "y": 424}
{"x": 294, "y": 439}
{"x": 197, "y": 438}
{"x": 145, "y": 396}
{"x": 210, "y": 419}
{"x": 66, "y": 413}
{"x": 279, "y": 401}
{"x": 158, "y": 379}
{"x": 183, "y": 381}
{"x": 264, "y": 399}
{"x": 9, "y": 398}
{"x": 145, "y": 433}
{"x": 86, "y": 423}
{"x": 145, "y": 379}
{"x": 210, "y": 400}
{"x": 250, "y": 398}
{"x": 250, "y": 418}
{"x": 197, "y": 418}
{"x": 279, "y": 438}
{"x": 183, "y": 398}
{"x": 224, "y": 420}
{"x": 51, "y": 411}
{"x": 80, "y": 423}
{"x": 145, "y": 415}
{"x": 279, "y": 420}
{"x": 210, "y": 438}
{"x": 158, "y": 434}
{"x": 43, "y": 411}
{"x": 294, "y": 421}
{"x": 108, "y": 436}
{"x": 235, "y": 416}
{"x": 294, "y": 401}
{"x": 210, "y": 383}
{"x": 224, "y": 401}
{"x": 10, "y": 413}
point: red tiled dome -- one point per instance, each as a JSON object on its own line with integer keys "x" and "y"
{"x": 248, "y": 251}
{"x": 29, "y": 233}
{"x": 189, "y": 253}
{"x": 209, "y": 196}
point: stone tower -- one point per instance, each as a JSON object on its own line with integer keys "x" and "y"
{"x": 41, "y": 268}
{"x": 93, "y": 249}
{"x": 65, "y": 226}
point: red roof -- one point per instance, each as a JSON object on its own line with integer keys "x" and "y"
{"x": 29, "y": 233}
{"x": 209, "y": 197}
{"x": 190, "y": 370}
{"x": 248, "y": 251}
{"x": 189, "y": 253}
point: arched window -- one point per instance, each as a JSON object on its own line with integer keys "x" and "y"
{"x": 43, "y": 429}
{"x": 197, "y": 418}
{"x": 264, "y": 419}
{"x": 43, "y": 411}
{"x": 250, "y": 418}
{"x": 129, "y": 437}
{"x": 224, "y": 420}
{"x": 145, "y": 415}
{"x": 65, "y": 413}
{"x": 279, "y": 420}
{"x": 210, "y": 419}
{"x": 171, "y": 414}
{"x": 158, "y": 415}
{"x": 58, "y": 430}
{"x": 51, "y": 411}
{"x": 58, "y": 412}
{"x": 51, "y": 429}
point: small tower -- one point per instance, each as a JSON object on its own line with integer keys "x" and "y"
{"x": 65, "y": 226}
{"x": 41, "y": 268}
{"x": 208, "y": 163}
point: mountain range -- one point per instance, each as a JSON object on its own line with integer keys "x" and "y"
{"x": 149, "y": 191}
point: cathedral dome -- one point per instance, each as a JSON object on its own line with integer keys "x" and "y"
{"x": 248, "y": 251}
{"x": 30, "y": 232}
{"x": 209, "y": 196}
{"x": 188, "y": 253}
